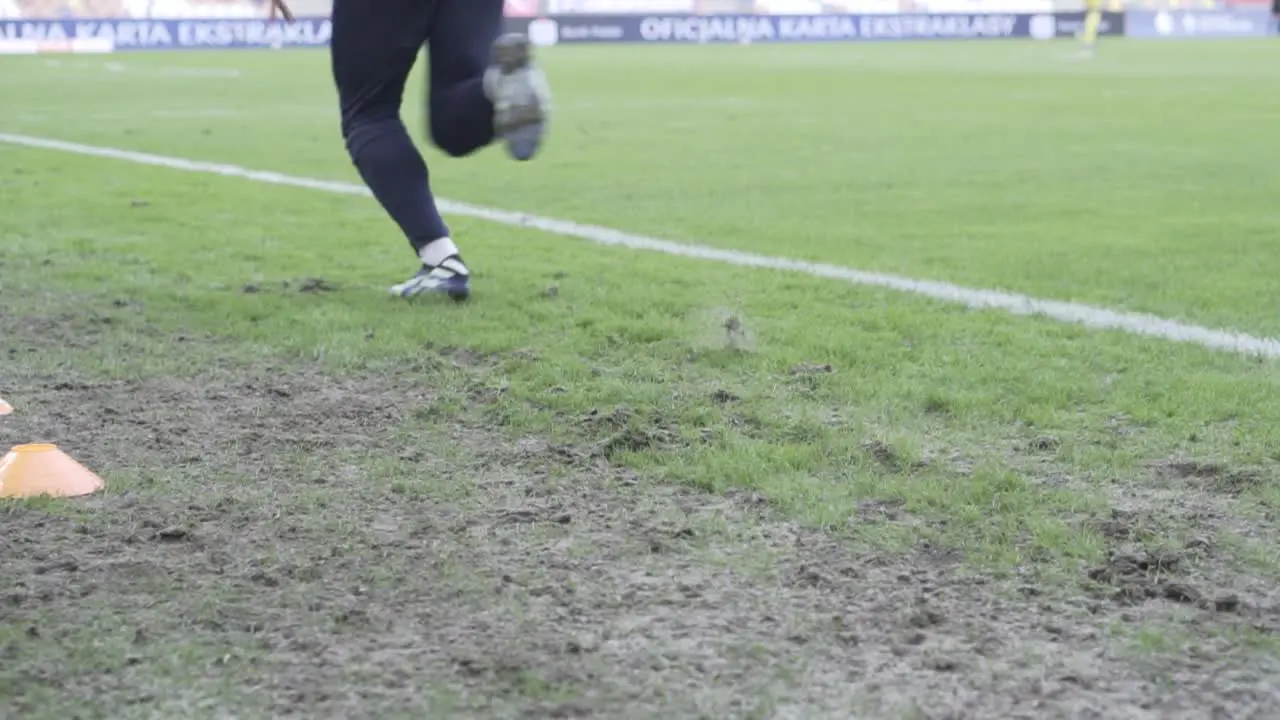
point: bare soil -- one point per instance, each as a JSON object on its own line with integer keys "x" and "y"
{"x": 275, "y": 543}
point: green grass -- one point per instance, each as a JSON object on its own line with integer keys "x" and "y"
{"x": 1134, "y": 181}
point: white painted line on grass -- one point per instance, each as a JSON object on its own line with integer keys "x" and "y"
{"x": 181, "y": 71}
{"x": 188, "y": 114}
{"x": 172, "y": 114}
{"x": 1095, "y": 318}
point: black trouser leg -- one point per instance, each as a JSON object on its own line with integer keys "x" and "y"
{"x": 374, "y": 46}
{"x": 459, "y": 44}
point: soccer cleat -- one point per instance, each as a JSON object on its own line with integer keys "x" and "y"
{"x": 520, "y": 95}
{"x": 442, "y": 272}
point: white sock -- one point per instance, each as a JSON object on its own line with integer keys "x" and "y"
{"x": 435, "y": 252}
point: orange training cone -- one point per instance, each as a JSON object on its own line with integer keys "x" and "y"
{"x": 5, "y": 408}
{"x": 43, "y": 469}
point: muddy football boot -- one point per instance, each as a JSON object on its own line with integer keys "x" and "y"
{"x": 435, "y": 280}
{"x": 442, "y": 272}
{"x": 520, "y": 95}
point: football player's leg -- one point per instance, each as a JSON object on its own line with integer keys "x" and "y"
{"x": 483, "y": 83}
{"x": 374, "y": 46}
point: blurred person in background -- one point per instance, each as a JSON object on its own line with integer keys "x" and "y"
{"x": 1092, "y": 19}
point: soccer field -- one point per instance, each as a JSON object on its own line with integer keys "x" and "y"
{"x": 627, "y": 482}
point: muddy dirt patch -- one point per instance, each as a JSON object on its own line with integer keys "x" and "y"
{"x": 281, "y": 541}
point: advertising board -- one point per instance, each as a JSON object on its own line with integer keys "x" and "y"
{"x": 116, "y": 35}
{"x": 133, "y": 34}
{"x": 1227, "y": 23}
{"x": 650, "y": 29}
{"x": 660, "y": 28}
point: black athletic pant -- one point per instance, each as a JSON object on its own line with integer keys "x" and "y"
{"x": 374, "y": 46}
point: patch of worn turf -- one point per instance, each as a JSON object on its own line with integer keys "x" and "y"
{"x": 616, "y": 484}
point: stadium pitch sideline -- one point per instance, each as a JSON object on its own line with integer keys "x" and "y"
{"x": 1094, "y": 318}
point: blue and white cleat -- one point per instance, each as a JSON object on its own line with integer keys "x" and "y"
{"x": 443, "y": 272}
{"x": 520, "y": 95}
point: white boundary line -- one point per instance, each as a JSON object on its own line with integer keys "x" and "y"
{"x": 1094, "y": 318}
